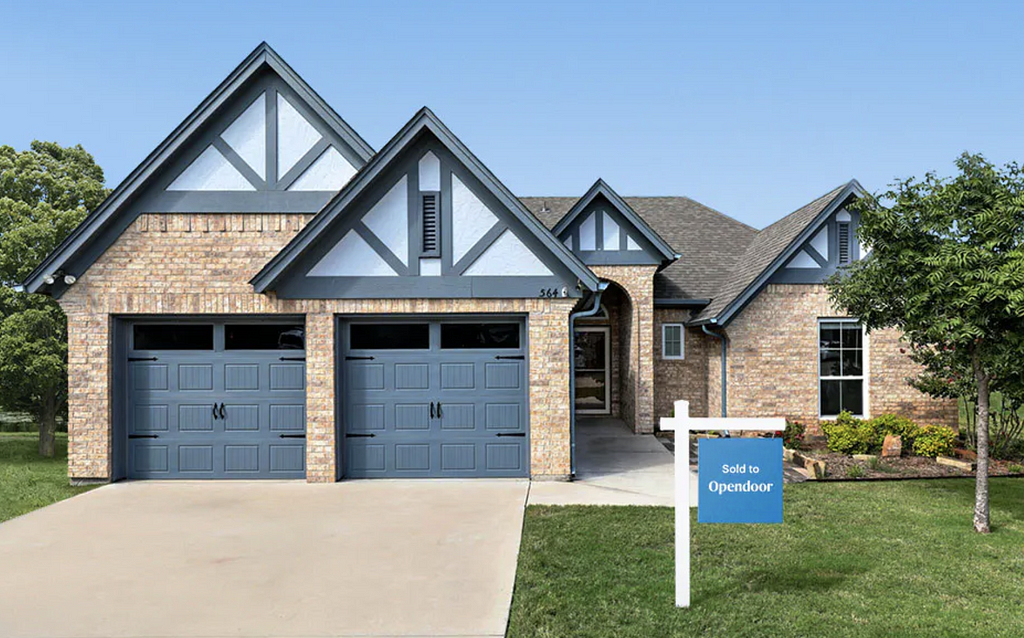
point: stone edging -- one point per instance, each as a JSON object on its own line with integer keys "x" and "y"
{"x": 815, "y": 468}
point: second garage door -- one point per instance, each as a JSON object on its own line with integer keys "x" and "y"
{"x": 442, "y": 398}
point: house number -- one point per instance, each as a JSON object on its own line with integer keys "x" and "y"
{"x": 548, "y": 292}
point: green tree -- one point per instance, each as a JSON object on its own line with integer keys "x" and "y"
{"x": 947, "y": 270}
{"x": 45, "y": 192}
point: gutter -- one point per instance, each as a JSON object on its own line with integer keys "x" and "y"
{"x": 725, "y": 352}
{"x": 601, "y": 287}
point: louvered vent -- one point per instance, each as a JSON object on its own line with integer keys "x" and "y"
{"x": 431, "y": 225}
{"x": 844, "y": 243}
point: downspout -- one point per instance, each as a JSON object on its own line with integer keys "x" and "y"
{"x": 725, "y": 351}
{"x": 601, "y": 287}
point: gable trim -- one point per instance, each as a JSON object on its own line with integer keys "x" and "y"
{"x": 424, "y": 120}
{"x": 262, "y": 56}
{"x": 733, "y": 308}
{"x": 601, "y": 187}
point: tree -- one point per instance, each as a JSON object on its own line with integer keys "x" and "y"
{"x": 45, "y": 192}
{"x": 946, "y": 268}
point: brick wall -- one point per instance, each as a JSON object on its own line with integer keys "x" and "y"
{"x": 201, "y": 264}
{"x": 681, "y": 379}
{"x": 773, "y": 363}
{"x": 636, "y": 336}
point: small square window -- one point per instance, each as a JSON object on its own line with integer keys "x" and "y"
{"x": 672, "y": 341}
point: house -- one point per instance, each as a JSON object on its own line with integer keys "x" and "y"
{"x": 266, "y": 296}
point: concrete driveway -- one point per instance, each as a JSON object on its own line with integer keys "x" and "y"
{"x": 360, "y": 558}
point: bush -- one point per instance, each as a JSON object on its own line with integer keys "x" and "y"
{"x": 934, "y": 440}
{"x": 900, "y": 426}
{"x": 855, "y": 471}
{"x": 850, "y": 435}
{"x": 793, "y": 437}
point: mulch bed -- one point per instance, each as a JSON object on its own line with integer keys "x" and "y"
{"x": 837, "y": 467}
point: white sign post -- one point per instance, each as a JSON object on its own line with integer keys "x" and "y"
{"x": 682, "y": 425}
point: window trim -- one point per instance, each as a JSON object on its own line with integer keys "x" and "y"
{"x": 607, "y": 408}
{"x": 682, "y": 342}
{"x": 864, "y": 376}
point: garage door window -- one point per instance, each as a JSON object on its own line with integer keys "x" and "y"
{"x": 390, "y": 336}
{"x": 462, "y": 336}
{"x": 264, "y": 336}
{"x": 182, "y": 336}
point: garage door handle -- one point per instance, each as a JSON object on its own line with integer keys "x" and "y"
{"x": 360, "y": 436}
{"x": 292, "y": 436}
{"x": 511, "y": 434}
{"x": 519, "y": 357}
{"x": 431, "y": 409}
{"x": 143, "y": 436}
{"x": 222, "y": 411}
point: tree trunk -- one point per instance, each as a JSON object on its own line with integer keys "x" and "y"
{"x": 981, "y": 509}
{"x": 47, "y": 426}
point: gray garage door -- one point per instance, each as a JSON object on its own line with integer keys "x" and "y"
{"x": 216, "y": 400}
{"x": 435, "y": 399}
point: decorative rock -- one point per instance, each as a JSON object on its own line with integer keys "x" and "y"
{"x": 864, "y": 457}
{"x": 892, "y": 446}
{"x": 966, "y": 466}
{"x": 815, "y": 469}
{"x": 787, "y": 454}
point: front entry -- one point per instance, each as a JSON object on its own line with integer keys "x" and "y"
{"x": 593, "y": 370}
{"x": 216, "y": 399}
{"x": 434, "y": 398}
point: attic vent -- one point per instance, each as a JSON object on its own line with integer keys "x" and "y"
{"x": 431, "y": 222}
{"x": 844, "y": 243}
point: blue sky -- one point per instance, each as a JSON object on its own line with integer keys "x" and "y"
{"x": 753, "y": 108}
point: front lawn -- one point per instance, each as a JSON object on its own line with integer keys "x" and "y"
{"x": 29, "y": 481}
{"x": 851, "y": 559}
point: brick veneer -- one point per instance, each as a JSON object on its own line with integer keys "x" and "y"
{"x": 636, "y": 338}
{"x": 681, "y": 379}
{"x": 201, "y": 264}
{"x": 773, "y": 363}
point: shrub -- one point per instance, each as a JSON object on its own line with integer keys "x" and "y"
{"x": 793, "y": 437}
{"x": 900, "y": 426}
{"x": 855, "y": 471}
{"x": 850, "y": 435}
{"x": 1015, "y": 469}
{"x": 934, "y": 440}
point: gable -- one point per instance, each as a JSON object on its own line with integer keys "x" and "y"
{"x": 425, "y": 225}
{"x": 601, "y": 235}
{"x": 262, "y": 142}
{"x": 832, "y": 243}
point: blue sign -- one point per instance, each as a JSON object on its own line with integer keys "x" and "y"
{"x": 740, "y": 480}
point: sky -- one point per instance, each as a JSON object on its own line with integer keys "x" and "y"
{"x": 752, "y": 108}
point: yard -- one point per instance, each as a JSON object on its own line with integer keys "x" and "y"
{"x": 28, "y": 481}
{"x": 882, "y": 559}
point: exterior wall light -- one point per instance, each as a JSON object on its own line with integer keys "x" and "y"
{"x": 70, "y": 279}
{"x": 49, "y": 279}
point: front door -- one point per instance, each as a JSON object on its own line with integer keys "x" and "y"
{"x": 593, "y": 370}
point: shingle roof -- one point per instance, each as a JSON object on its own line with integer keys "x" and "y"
{"x": 710, "y": 242}
{"x": 766, "y": 246}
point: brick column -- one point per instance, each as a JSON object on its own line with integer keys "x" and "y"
{"x": 89, "y": 432}
{"x": 321, "y": 445}
{"x": 638, "y": 282}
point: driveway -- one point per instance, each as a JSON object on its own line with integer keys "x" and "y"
{"x": 359, "y": 558}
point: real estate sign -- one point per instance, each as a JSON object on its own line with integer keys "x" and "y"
{"x": 740, "y": 481}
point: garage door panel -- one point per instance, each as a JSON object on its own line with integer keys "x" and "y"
{"x": 412, "y": 457}
{"x": 216, "y": 413}
{"x": 412, "y": 416}
{"x": 458, "y": 376}
{"x": 458, "y": 416}
{"x": 504, "y": 457}
{"x": 366, "y": 417}
{"x": 366, "y": 376}
{"x": 504, "y": 417}
{"x": 503, "y": 376}
{"x": 412, "y": 376}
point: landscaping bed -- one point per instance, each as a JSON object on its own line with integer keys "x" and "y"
{"x": 838, "y": 467}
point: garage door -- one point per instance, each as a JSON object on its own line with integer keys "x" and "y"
{"x": 216, "y": 400}
{"x": 435, "y": 399}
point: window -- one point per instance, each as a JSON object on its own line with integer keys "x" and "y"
{"x": 264, "y": 336}
{"x": 431, "y": 215}
{"x": 672, "y": 341}
{"x": 159, "y": 336}
{"x": 479, "y": 335}
{"x": 389, "y": 336}
{"x": 841, "y": 367}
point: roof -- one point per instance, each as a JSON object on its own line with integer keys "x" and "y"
{"x": 708, "y": 242}
{"x": 601, "y": 188}
{"x": 262, "y": 56}
{"x": 423, "y": 120}
{"x": 768, "y": 250}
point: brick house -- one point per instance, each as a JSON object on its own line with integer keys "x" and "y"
{"x": 266, "y": 296}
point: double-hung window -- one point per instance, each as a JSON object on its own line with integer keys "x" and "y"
{"x": 841, "y": 356}
{"x": 672, "y": 346}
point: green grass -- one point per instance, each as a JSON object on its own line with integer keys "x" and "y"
{"x": 882, "y": 559}
{"x": 29, "y": 481}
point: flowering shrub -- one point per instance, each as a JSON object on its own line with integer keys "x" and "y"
{"x": 793, "y": 437}
{"x": 934, "y": 440}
